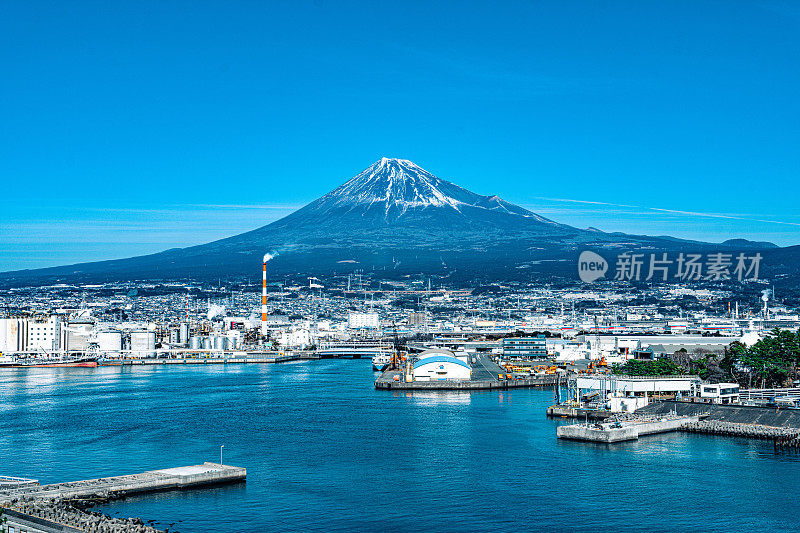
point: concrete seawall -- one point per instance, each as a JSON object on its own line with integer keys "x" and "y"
{"x": 740, "y": 414}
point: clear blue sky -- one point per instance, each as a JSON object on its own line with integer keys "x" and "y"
{"x": 131, "y": 127}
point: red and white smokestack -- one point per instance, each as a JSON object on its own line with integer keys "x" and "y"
{"x": 267, "y": 257}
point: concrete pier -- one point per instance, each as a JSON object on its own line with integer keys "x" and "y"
{"x": 565, "y": 411}
{"x": 118, "y": 486}
{"x": 387, "y": 382}
{"x": 608, "y": 432}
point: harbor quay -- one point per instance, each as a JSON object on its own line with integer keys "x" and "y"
{"x": 211, "y": 359}
{"x": 442, "y": 369}
{"x": 780, "y": 425}
{"x": 61, "y": 507}
{"x": 386, "y": 381}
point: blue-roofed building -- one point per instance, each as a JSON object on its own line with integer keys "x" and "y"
{"x": 440, "y": 365}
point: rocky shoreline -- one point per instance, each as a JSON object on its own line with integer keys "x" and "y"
{"x": 77, "y": 514}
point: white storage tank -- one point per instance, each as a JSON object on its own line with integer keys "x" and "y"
{"x": 143, "y": 343}
{"x": 206, "y": 343}
{"x": 109, "y": 341}
{"x": 184, "y": 334}
{"x": 14, "y": 335}
{"x": 196, "y": 343}
{"x": 219, "y": 343}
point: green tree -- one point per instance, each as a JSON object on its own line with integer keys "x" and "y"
{"x": 658, "y": 367}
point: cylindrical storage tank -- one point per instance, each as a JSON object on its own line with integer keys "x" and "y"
{"x": 143, "y": 343}
{"x": 217, "y": 343}
{"x": 206, "y": 343}
{"x": 16, "y": 334}
{"x": 184, "y": 334}
{"x": 233, "y": 343}
{"x": 109, "y": 341}
{"x": 195, "y": 343}
{"x": 3, "y": 347}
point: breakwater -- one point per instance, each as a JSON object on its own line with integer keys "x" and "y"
{"x": 738, "y": 429}
{"x": 62, "y": 502}
{"x": 739, "y": 414}
{"x": 63, "y": 517}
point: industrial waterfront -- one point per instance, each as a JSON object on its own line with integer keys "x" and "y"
{"x": 325, "y": 450}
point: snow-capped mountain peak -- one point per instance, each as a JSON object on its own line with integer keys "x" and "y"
{"x": 395, "y": 186}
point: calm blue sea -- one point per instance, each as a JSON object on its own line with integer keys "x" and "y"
{"x": 325, "y": 451}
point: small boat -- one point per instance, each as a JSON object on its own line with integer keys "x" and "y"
{"x": 381, "y": 361}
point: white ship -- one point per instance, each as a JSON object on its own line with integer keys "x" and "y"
{"x": 381, "y": 361}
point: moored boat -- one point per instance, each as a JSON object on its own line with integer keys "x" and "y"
{"x": 381, "y": 361}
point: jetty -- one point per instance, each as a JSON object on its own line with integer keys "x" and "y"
{"x": 119, "y": 486}
{"x": 624, "y": 428}
{"x": 568, "y": 411}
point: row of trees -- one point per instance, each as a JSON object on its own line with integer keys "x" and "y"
{"x": 771, "y": 362}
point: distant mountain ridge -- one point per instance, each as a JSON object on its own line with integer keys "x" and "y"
{"x": 396, "y": 217}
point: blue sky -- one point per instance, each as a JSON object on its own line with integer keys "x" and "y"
{"x": 132, "y": 127}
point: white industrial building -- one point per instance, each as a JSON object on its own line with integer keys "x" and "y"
{"x": 363, "y": 320}
{"x": 629, "y": 393}
{"x": 45, "y": 335}
{"x": 720, "y": 392}
{"x": 298, "y": 338}
{"x": 439, "y": 365}
{"x": 78, "y": 331}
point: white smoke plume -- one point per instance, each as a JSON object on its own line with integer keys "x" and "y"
{"x": 215, "y": 310}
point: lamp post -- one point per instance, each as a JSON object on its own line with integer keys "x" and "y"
{"x": 220, "y": 453}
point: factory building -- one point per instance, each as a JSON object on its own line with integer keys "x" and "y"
{"x": 440, "y": 365}
{"x": 45, "y": 335}
{"x": 525, "y": 347}
{"x": 78, "y": 331}
{"x": 628, "y": 393}
{"x": 362, "y": 320}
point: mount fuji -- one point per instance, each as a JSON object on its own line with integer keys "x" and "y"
{"x": 395, "y": 217}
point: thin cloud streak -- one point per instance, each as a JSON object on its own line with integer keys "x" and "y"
{"x": 674, "y": 211}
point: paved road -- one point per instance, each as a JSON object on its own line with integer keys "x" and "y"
{"x": 484, "y": 369}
